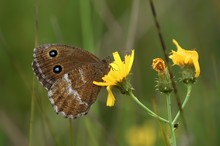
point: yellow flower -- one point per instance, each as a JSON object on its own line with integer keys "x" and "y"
{"x": 184, "y": 58}
{"x": 118, "y": 72}
{"x": 144, "y": 135}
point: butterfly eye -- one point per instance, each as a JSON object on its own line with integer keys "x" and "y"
{"x": 57, "y": 69}
{"x": 53, "y": 53}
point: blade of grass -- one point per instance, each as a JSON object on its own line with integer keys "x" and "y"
{"x": 133, "y": 25}
{"x": 33, "y": 98}
{"x": 31, "y": 115}
{"x": 33, "y": 84}
{"x": 90, "y": 131}
{"x": 71, "y": 132}
{"x": 87, "y": 34}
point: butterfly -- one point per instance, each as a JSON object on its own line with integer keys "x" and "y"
{"x": 68, "y": 73}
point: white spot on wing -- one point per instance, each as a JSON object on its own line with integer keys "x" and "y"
{"x": 72, "y": 91}
{"x": 51, "y": 100}
{"x": 70, "y": 116}
{"x": 50, "y": 93}
{"x": 49, "y": 81}
{"x": 55, "y": 108}
{"x": 43, "y": 76}
{"x": 66, "y": 78}
{"x": 37, "y": 64}
{"x": 76, "y": 95}
{"x": 78, "y": 115}
{"x": 82, "y": 75}
{"x": 35, "y": 50}
{"x": 62, "y": 113}
{"x": 34, "y": 55}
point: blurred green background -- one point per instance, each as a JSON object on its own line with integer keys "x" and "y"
{"x": 102, "y": 27}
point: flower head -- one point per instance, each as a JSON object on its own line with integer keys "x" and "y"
{"x": 163, "y": 82}
{"x": 185, "y": 58}
{"x": 117, "y": 75}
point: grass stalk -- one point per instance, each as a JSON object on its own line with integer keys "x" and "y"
{"x": 87, "y": 34}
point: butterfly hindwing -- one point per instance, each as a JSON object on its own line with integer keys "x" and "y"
{"x": 73, "y": 94}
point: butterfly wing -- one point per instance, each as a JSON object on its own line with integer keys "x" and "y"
{"x": 68, "y": 73}
{"x": 52, "y": 61}
{"x": 73, "y": 94}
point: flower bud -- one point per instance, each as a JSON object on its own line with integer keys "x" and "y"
{"x": 164, "y": 83}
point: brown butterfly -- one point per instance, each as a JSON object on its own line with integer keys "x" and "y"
{"x": 68, "y": 74}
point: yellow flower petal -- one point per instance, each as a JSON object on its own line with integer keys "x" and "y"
{"x": 129, "y": 61}
{"x": 115, "y": 66}
{"x": 100, "y": 83}
{"x": 111, "y": 98}
{"x": 183, "y": 57}
{"x": 112, "y": 78}
{"x": 197, "y": 68}
{"x": 177, "y": 45}
{"x": 117, "y": 57}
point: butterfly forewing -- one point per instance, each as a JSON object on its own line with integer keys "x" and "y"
{"x": 67, "y": 58}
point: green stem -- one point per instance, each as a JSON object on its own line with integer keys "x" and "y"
{"x": 189, "y": 89}
{"x": 31, "y": 116}
{"x": 173, "y": 137}
{"x": 71, "y": 132}
{"x": 86, "y": 24}
{"x": 147, "y": 109}
{"x": 91, "y": 134}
